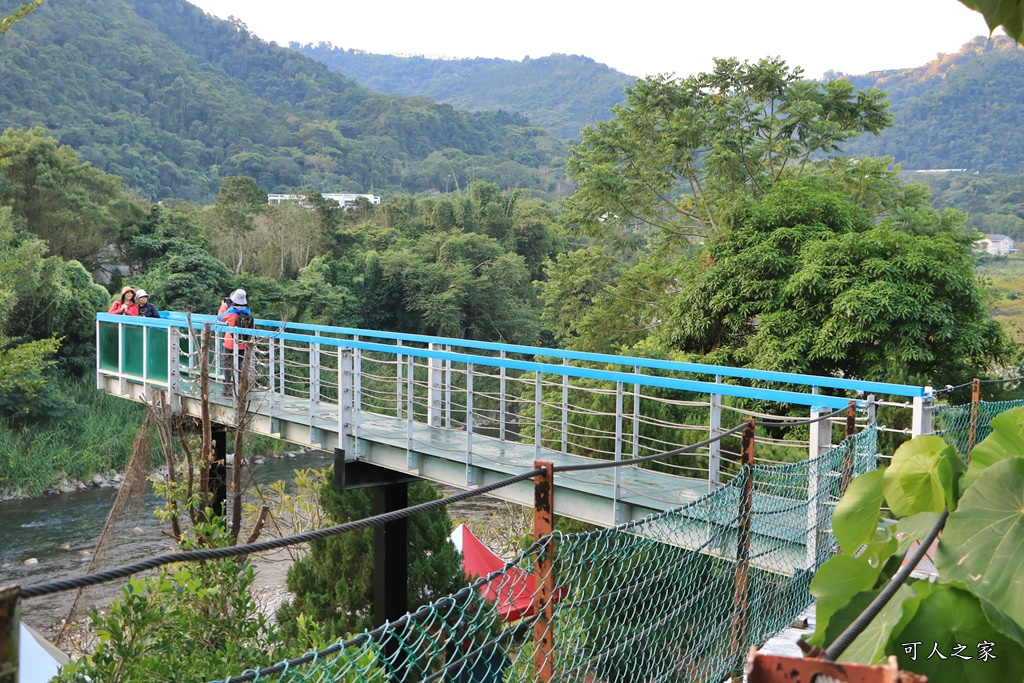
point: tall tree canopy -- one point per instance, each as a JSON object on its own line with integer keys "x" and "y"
{"x": 681, "y": 149}
{"x": 750, "y": 242}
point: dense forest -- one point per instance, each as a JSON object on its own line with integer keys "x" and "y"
{"x": 173, "y": 100}
{"x": 961, "y": 110}
{"x": 561, "y": 93}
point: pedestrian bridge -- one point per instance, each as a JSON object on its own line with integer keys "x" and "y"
{"x": 467, "y": 413}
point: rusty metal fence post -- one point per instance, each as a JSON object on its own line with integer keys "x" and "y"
{"x": 740, "y": 594}
{"x": 972, "y": 434}
{"x": 851, "y": 428}
{"x": 10, "y": 607}
{"x": 543, "y": 572}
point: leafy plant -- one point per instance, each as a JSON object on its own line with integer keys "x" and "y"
{"x": 968, "y": 625}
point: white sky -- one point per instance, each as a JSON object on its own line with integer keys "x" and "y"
{"x": 638, "y": 37}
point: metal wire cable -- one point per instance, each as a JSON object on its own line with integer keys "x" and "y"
{"x": 51, "y": 587}
{"x": 690, "y": 448}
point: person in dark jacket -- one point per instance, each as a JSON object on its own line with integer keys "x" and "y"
{"x": 146, "y": 308}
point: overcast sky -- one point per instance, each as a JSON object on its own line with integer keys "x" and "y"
{"x": 639, "y": 37}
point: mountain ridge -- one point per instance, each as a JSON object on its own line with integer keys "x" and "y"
{"x": 172, "y": 100}
{"x": 559, "y": 92}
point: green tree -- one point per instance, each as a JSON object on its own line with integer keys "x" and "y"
{"x": 333, "y": 585}
{"x": 195, "y": 622}
{"x": 231, "y": 220}
{"x": 803, "y": 280}
{"x": 680, "y": 150}
{"x": 22, "y": 362}
{"x": 77, "y": 209}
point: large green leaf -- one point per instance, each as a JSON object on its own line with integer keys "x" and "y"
{"x": 983, "y": 542}
{"x": 872, "y": 646}
{"x": 914, "y": 528}
{"x": 1005, "y": 13}
{"x": 923, "y": 477}
{"x": 946, "y": 618}
{"x": 855, "y": 518}
{"x": 834, "y": 584}
{"x": 1005, "y": 441}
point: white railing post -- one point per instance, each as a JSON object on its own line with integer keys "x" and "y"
{"x": 871, "y": 408}
{"x": 412, "y": 457}
{"x": 435, "y": 388}
{"x": 470, "y": 477}
{"x": 99, "y": 353}
{"x": 813, "y": 476}
{"x": 617, "y": 492}
{"x": 398, "y": 382}
{"x": 314, "y": 368}
{"x": 565, "y": 409}
{"x": 174, "y": 369}
{"x": 448, "y": 391}
{"x": 272, "y": 375}
{"x": 821, "y": 432}
{"x": 715, "y": 447}
{"x": 345, "y": 404}
{"x": 538, "y": 408}
{"x": 145, "y": 361}
{"x": 636, "y": 416}
{"x": 357, "y": 391}
{"x": 501, "y": 398}
{"x": 922, "y": 419}
{"x": 122, "y": 385}
{"x": 281, "y": 363}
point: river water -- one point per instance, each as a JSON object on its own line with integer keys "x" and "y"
{"x": 61, "y": 532}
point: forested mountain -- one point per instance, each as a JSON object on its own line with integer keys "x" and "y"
{"x": 173, "y": 100}
{"x": 962, "y": 110}
{"x": 562, "y": 93}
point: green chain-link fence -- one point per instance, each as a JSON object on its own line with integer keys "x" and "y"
{"x": 654, "y": 600}
{"x": 953, "y": 422}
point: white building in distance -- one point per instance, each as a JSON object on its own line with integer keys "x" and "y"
{"x": 344, "y": 200}
{"x": 997, "y": 245}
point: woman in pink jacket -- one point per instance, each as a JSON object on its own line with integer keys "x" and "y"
{"x": 126, "y": 304}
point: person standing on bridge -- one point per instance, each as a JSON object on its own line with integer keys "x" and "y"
{"x": 146, "y": 308}
{"x": 126, "y": 304}
{"x": 234, "y": 311}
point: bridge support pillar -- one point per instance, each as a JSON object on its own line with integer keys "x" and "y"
{"x": 390, "y": 563}
{"x": 218, "y": 471}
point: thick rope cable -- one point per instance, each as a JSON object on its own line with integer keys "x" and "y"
{"x": 51, "y": 587}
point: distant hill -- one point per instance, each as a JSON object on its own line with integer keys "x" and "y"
{"x": 561, "y": 93}
{"x": 961, "y": 110}
{"x": 172, "y": 100}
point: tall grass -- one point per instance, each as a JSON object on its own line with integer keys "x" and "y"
{"x": 96, "y": 439}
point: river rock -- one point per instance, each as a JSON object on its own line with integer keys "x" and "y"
{"x": 5, "y": 565}
{"x": 97, "y": 479}
{"x": 80, "y": 485}
{"x": 137, "y": 530}
{"x": 259, "y": 461}
{"x": 31, "y": 561}
{"x": 118, "y": 477}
